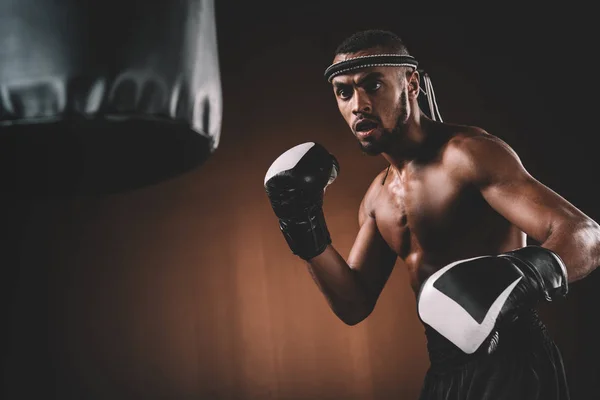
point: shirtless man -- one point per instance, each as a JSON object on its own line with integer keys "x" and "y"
{"x": 455, "y": 206}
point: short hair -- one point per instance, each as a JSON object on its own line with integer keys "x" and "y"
{"x": 372, "y": 38}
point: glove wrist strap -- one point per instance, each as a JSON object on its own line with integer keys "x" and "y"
{"x": 544, "y": 267}
{"x": 307, "y": 234}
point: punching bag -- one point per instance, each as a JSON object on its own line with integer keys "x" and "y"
{"x": 96, "y": 97}
{"x": 106, "y": 96}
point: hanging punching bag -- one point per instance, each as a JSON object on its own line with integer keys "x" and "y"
{"x": 106, "y": 96}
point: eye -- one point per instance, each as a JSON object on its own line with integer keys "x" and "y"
{"x": 343, "y": 93}
{"x": 372, "y": 86}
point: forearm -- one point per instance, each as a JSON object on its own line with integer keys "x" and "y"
{"x": 578, "y": 245}
{"x": 341, "y": 286}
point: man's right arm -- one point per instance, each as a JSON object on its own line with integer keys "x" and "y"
{"x": 353, "y": 287}
{"x": 295, "y": 184}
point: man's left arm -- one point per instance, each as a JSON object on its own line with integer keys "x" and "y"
{"x": 466, "y": 300}
{"x": 531, "y": 206}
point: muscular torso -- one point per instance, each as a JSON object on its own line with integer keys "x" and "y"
{"x": 430, "y": 219}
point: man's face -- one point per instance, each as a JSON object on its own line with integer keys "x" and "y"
{"x": 374, "y": 103}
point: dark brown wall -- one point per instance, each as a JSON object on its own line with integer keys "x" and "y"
{"x": 186, "y": 289}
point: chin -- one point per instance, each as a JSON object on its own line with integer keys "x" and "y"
{"x": 371, "y": 149}
{"x": 376, "y": 145}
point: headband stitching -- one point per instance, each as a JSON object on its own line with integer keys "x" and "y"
{"x": 375, "y": 55}
{"x": 369, "y": 65}
{"x": 411, "y": 62}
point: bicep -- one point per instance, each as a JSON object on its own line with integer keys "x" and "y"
{"x": 515, "y": 194}
{"x": 529, "y": 205}
{"x": 370, "y": 257}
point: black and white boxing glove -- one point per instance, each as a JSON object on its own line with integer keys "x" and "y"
{"x": 295, "y": 184}
{"x": 466, "y": 300}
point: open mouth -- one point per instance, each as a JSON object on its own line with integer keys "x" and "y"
{"x": 366, "y": 126}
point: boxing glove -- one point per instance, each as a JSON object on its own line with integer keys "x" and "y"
{"x": 295, "y": 184}
{"x": 467, "y": 300}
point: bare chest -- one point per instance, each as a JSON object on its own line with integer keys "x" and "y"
{"x": 425, "y": 211}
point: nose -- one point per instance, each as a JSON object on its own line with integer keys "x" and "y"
{"x": 361, "y": 103}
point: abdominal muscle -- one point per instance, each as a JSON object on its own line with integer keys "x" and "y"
{"x": 428, "y": 251}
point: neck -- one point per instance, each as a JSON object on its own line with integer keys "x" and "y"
{"x": 412, "y": 145}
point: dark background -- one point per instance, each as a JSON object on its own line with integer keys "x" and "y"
{"x": 186, "y": 289}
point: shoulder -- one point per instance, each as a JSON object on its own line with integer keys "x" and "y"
{"x": 474, "y": 142}
{"x": 478, "y": 156}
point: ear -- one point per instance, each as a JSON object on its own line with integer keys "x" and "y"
{"x": 413, "y": 79}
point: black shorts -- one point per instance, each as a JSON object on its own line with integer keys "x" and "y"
{"x": 525, "y": 365}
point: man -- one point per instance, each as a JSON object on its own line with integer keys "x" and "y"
{"x": 455, "y": 206}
